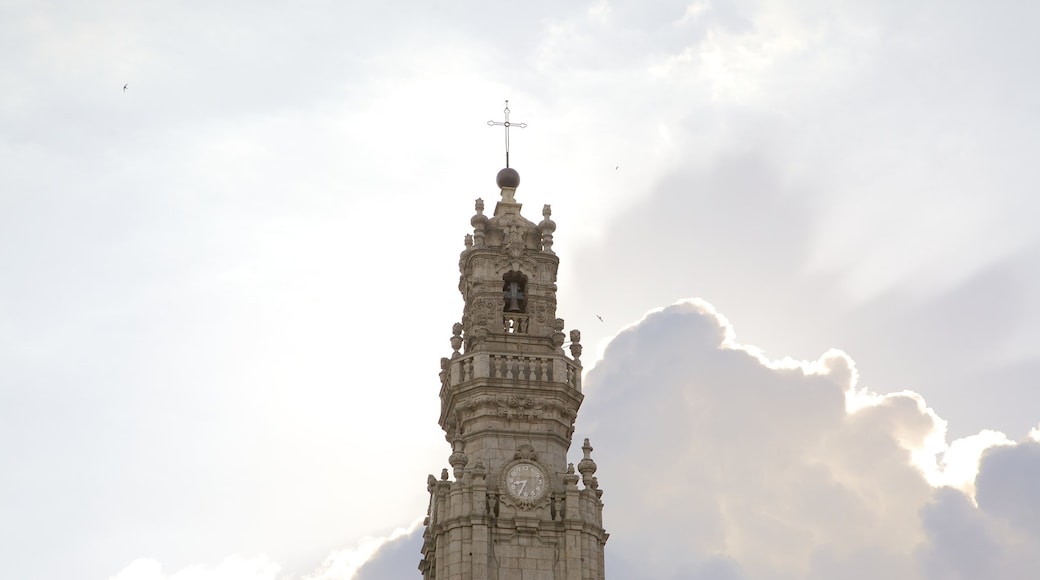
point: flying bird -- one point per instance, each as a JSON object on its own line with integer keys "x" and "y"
{"x": 599, "y": 317}
{"x": 124, "y": 87}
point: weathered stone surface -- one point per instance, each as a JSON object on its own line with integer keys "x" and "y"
{"x": 509, "y": 397}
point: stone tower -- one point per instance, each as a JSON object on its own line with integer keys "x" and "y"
{"x": 511, "y": 508}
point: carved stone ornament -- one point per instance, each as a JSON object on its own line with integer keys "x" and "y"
{"x": 523, "y": 264}
{"x": 456, "y": 339}
{"x": 513, "y": 229}
{"x": 444, "y": 372}
{"x": 526, "y": 452}
{"x": 483, "y": 312}
{"x": 458, "y": 459}
{"x": 521, "y": 407}
{"x": 541, "y": 313}
{"x": 513, "y": 407}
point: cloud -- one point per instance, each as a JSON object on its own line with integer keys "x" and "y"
{"x": 370, "y": 557}
{"x": 708, "y": 450}
{"x": 232, "y": 568}
{"x": 1000, "y": 538}
{"x": 373, "y": 558}
{"x": 719, "y": 463}
{"x": 1008, "y": 486}
{"x": 397, "y": 558}
{"x": 188, "y": 263}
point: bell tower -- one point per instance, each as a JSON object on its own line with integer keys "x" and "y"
{"x": 511, "y": 507}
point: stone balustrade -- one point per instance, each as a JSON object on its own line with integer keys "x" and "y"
{"x": 483, "y": 365}
{"x": 515, "y": 323}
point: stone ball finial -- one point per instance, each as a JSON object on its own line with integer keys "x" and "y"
{"x": 576, "y": 347}
{"x": 587, "y": 467}
{"x": 458, "y": 458}
{"x": 547, "y": 226}
{"x": 546, "y": 229}
{"x": 558, "y": 337}
{"x": 456, "y": 338}
{"x": 508, "y": 178}
{"x": 479, "y": 220}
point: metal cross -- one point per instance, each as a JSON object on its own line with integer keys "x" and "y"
{"x": 507, "y": 124}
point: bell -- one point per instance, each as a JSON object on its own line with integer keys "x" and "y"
{"x": 513, "y": 297}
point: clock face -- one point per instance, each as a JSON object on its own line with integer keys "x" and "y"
{"x": 525, "y": 481}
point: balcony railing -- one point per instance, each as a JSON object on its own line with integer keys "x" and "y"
{"x": 514, "y": 367}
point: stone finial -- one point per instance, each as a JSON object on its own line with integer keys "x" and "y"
{"x": 546, "y": 228}
{"x": 456, "y": 338}
{"x": 576, "y": 346}
{"x": 569, "y": 479}
{"x": 444, "y": 474}
{"x": 479, "y": 223}
{"x": 587, "y": 467}
{"x": 508, "y": 180}
{"x": 479, "y": 471}
{"x": 468, "y": 241}
{"x": 558, "y": 337}
{"x": 444, "y": 371}
{"x": 458, "y": 459}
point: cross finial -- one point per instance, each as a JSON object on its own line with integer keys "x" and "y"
{"x": 507, "y": 124}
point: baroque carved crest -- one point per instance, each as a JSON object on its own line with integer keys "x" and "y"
{"x": 525, "y": 407}
{"x": 524, "y": 264}
{"x": 525, "y": 451}
{"x": 513, "y": 229}
{"x": 521, "y": 407}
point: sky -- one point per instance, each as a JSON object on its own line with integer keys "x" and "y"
{"x": 808, "y": 228}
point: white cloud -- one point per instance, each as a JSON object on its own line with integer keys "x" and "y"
{"x": 345, "y": 564}
{"x": 197, "y": 304}
{"x": 719, "y": 463}
{"x": 339, "y": 565}
{"x": 232, "y": 568}
{"x": 959, "y": 463}
{"x": 707, "y": 450}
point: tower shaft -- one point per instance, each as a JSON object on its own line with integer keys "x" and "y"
{"x": 512, "y": 509}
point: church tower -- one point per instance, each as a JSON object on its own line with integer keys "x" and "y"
{"x": 512, "y": 508}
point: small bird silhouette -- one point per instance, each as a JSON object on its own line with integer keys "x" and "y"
{"x": 599, "y": 317}
{"x": 124, "y": 87}
{"x": 616, "y": 167}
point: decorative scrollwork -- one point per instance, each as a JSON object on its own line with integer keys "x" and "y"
{"x": 521, "y": 407}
